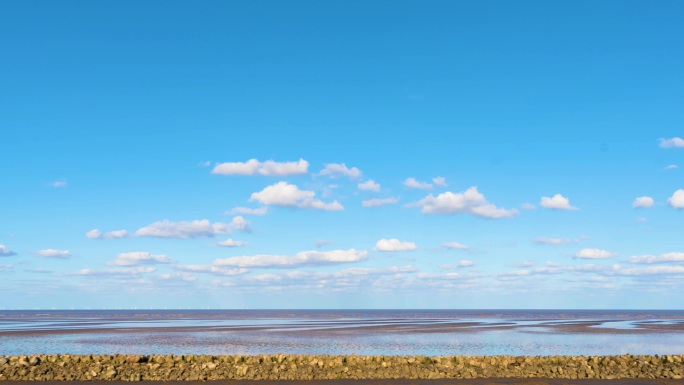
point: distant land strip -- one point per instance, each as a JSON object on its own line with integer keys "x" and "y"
{"x": 339, "y": 369}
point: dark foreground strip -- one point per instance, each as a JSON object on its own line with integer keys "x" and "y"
{"x": 473, "y": 381}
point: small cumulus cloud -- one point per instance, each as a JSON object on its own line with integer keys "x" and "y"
{"x": 52, "y": 253}
{"x": 376, "y": 202}
{"x": 531, "y": 272}
{"x": 394, "y": 244}
{"x": 671, "y": 143}
{"x": 369, "y": 185}
{"x": 671, "y": 167}
{"x": 136, "y": 258}
{"x": 555, "y": 241}
{"x": 557, "y": 202}
{"x": 255, "y": 167}
{"x": 116, "y": 234}
{"x": 335, "y": 170}
{"x": 192, "y": 229}
{"x": 289, "y": 195}
{"x": 455, "y": 245}
{"x": 594, "y": 254}
{"x": 415, "y": 184}
{"x": 313, "y": 257}
{"x": 5, "y": 252}
{"x": 187, "y": 277}
{"x": 232, "y": 243}
{"x": 662, "y": 258}
{"x": 248, "y": 211}
{"x": 470, "y": 201}
{"x": 677, "y": 199}
{"x": 643, "y": 202}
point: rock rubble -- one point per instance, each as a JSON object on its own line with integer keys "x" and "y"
{"x": 66, "y": 367}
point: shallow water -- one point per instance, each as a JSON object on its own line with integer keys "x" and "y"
{"x": 362, "y": 332}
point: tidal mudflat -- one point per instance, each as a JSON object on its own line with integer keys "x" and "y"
{"x": 337, "y": 332}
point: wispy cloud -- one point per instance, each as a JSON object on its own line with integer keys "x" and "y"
{"x": 671, "y": 167}
{"x": 192, "y": 229}
{"x": 248, "y": 211}
{"x": 211, "y": 269}
{"x": 59, "y": 184}
{"x": 376, "y": 202}
{"x": 463, "y": 263}
{"x": 136, "y": 258}
{"x": 470, "y": 201}
{"x": 116, "y": 234}
{"x": 455, "y": 245}
{"x": 394, "y": 244}
{"x": 52, "y": 253}
{"x": 124, "y": 271}
{"x": 557, "y": 202}
{"x": 335, "y": 170}
{"x": 662, "y": 258}
{"x": 289, "y": 195}
{"x": 528, "y": 206}
{"x": 255, "y": 167}
{"x": 555, "y": 241}
{"x": 303, "y": 258}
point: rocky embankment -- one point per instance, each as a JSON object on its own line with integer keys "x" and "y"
{"x": 294, "y": 367}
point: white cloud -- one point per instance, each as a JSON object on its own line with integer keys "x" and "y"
{"x": 255, "y": 167}
{"x": 358, "y": 271}
{"x": 59, "y": 184}
{"x": 335, "y": 170}
{"x": 528, "y": 206}
{"x": 232, "y": 243}
{"x": 369, "y": 185}
{"x": 531, "y": 272}
{"x": 124, "y": 271}
{"x": 97, "y": 234}
{"x": 289, "y": 195}
{"x": 214, "y": 270}
{"x": 455, "y": 245}
{"x": 641, "y": 220}
{"x": 52, "y": 253}
{"x": 557, "y": 202}
{"x": 644, "y": 201}
{"x": 663, "y": 258}
{"x": 394, "y": 244}
{"x": 248, "y": 211}
{"x": 6, "y": 268}
{"x": 651, "y": 270}
{"x": 413, "y": 183}
{"x": 375, "y": 202}
{"x": 432, "y": 277}
{"x": 206, "y": 163}
{"x": 672, "y": 142}
{"x": 554, "y": 241}
{"x": 677, "y": 199}
{"x": 594, "y": 254}
{"x": 470, "y": 201}
{"x": 312, "y": 257}
{"x": 671, "y": 167}
{"x": 465, "y": 263}
{"x": 187, "y": 277}
{"x": 136, "y": 258}
{"x": 5, "y": 252}
{"x": 193, "y": 229}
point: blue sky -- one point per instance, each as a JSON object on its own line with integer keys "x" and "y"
{"x": 398, "y": 154}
